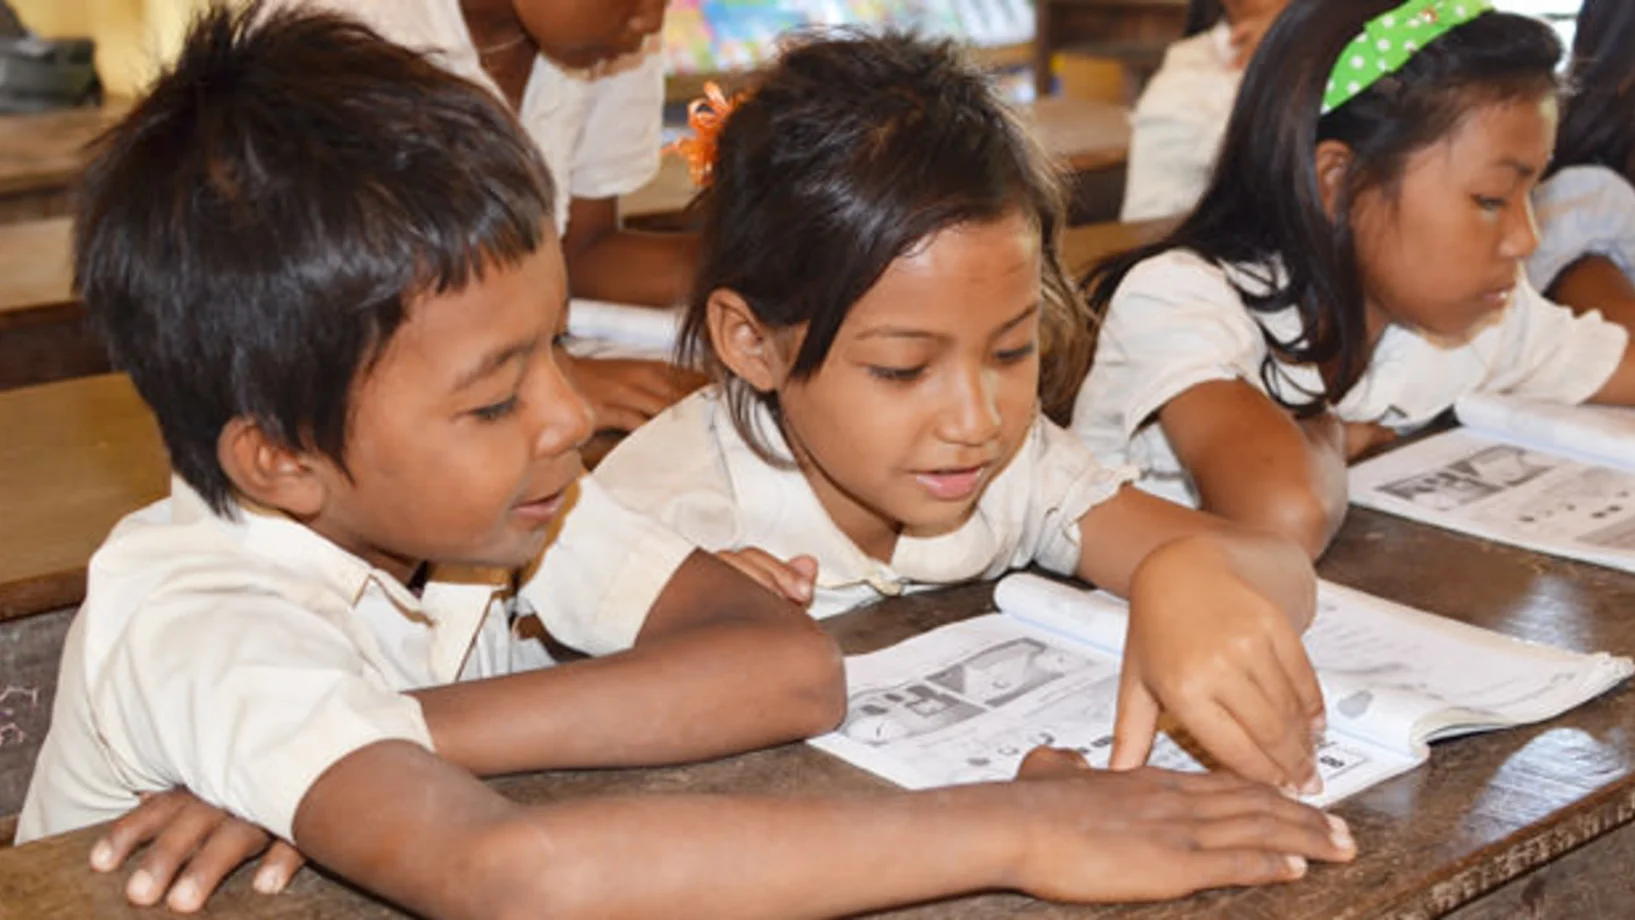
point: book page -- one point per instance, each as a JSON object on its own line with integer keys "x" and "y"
{"x": 1593, "y": 434}
{"x": 598, "y": 329}
{"x": 965, "y": 703}
{"x": 1545, "y": 502}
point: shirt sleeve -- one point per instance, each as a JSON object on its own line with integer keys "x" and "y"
{"x": 246, "y": 699}
{"x": 1544, "y": 351}
{"x": 1175, "y": 322}
{"x": 1068, "y": 482}
{"x": 1582, "y": 210}
{"x": 1176, "y": 131}
{"x": 598, "y": 579}
{"x": 617, "y": 151}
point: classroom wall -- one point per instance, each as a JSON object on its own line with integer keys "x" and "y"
{"x": 131, "y": 35}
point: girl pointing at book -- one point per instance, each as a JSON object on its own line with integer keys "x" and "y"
{"x": 1353, "y": 269}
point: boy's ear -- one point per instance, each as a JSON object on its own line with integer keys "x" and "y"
{"x": 1333, "y": 166}
{"x": 268, "y": 472}
{"x": 747, "y": 347}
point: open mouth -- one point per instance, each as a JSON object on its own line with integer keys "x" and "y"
{"x": 543, "y": 510}
{"x": 952, "y": 484}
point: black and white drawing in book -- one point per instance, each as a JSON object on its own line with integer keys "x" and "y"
{"x": 964, "y": 702}
{"x": 1551, "y": 478}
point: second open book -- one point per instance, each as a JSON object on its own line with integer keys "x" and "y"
{"x": 1551, "y": 478}
{"x": 965, "y": 702}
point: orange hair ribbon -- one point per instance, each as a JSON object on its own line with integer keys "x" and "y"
{"x": 705, "y": 116}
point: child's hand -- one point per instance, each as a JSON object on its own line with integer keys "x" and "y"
{"x": 1152, "y": 834}
{"x": 793, "y": 579}
{"x": 1209, "y": 645}
{"x": 184, "y": 830}
{"x": 624, "y": 392}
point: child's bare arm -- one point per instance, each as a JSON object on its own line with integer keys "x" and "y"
{"x": 1216, "y": 612}
{"x": 445, "y": 846}
{"x": 607, "y": 262}
{"x": 720, "y": 666}
{"x": 1254, "y": 464}
{"x": 1595, "y": 282}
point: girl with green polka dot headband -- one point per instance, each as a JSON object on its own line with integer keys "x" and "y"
{"x": 1390, "y": 39}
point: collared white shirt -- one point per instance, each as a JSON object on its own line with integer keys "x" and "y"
{"x": 600, "y": 136}
{"x": 1177, "y": 321}
{"x": 1178, "y": 124}
{"x": 1582, "y": 210}
{"x": 243, "y": 657}
{"x": 690, "y": 469}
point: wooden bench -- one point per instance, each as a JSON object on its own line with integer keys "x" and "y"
{"x": 77, "y": 456}
{"x": 40, "y": 154}
{"x": 1533, "y": 821}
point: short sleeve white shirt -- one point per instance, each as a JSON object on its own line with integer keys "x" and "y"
{"x": 1178, "y": 321}
{"x": 1581, "y": 211}
{"x": 690, "y": 469}
{"x": 243, "y": 657}
{"x": 1178, "y": 124}
{"x": 599, "y": 135}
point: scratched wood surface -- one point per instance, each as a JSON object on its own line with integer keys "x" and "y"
{"x": 1486, "y": 811}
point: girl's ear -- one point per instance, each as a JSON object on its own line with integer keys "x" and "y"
{"x": 1332, "y": 167}
{"x": 269, "y": 473}
{"x": 748, "y": 348}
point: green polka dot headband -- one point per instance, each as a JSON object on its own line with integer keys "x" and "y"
{"x": 1390, "y": 39}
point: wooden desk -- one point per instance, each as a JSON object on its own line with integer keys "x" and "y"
{"x": 76, "y": 456}
{"x": 1135, "y": 32}
{"x": 41, "y": 154}
{"x": 43, "y": 334}
{"x": 1457, "y": 837}
{"x": 1083, "y": 246}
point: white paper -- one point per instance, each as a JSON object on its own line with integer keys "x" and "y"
{"x": 1594, "y": 434}
{"x": 598, "y": 329}
{"x": 966, "y": 702}
{"x": 1546, "y": 502}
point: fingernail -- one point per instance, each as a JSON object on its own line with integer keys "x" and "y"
{"x": 268, "y": 881}
{"x": 1340, "y": 833}
{"x": 184, "y": 895}
{"x": 102, "y": 856}
{"x": 1297, "y": 865}
{"x": 1320, "y": 724}
{"x": 1312, "y": 786}
{"x": 140, "y": 887}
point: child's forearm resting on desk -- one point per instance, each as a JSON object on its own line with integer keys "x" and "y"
{"x": 607, "y": 262}
{"x": 444, "y": 845}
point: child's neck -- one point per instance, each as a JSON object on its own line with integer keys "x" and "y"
{"x": 869, "y": 530}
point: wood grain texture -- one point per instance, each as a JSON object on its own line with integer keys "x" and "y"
{"x": 1485, "y": 811}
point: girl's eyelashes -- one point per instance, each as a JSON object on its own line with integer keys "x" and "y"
{"x": 896, "y": 374}
{"x": 496, "y": 411}
{"x": 1016, "y": 355}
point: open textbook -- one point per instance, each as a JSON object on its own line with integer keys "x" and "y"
{"x": 599, "y": 329}
{"x": 965, "y": 702}
{"x": 1551, "y": 478}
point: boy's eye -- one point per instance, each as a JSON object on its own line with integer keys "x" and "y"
{"x": 1487, "y": 203}
{"x": 896, "y": 374}
{"x": 1016, "y": 355}
{"x": 496, "y": 411}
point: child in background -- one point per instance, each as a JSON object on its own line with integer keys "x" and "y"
{"x": 330, "y": 268}
{"x": 1586, "y": 203}
{"x": 878, "y": 292}
{"x": 586, "y": 82}
{"x": 1353, "y": 269}
{"x": 1178, "y": 123}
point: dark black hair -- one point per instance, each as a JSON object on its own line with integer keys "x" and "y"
{"x": 1598, "y": 121}
{"x": 849, "y": 151}
{"x": 250, "y": 236}
{"x": 1263, "y": 210}
{"x": 1202, "y": 16}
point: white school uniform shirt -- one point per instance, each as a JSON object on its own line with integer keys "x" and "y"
{"x": 690, "y": 469}
{"x": 242, "y": 658}
{"x": 1582, "y": 210}
{"x": 599, "y": 136}
{"x": 1178, "y": 125}
{"x": 1177, "y": 321}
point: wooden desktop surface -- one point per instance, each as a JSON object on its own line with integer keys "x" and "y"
{"x": 1444, "y": 838}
